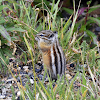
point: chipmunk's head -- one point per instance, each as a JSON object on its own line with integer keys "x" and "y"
{"x": 46, "y": 36}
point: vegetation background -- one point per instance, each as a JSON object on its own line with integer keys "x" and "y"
{"x": 78, "y": 27}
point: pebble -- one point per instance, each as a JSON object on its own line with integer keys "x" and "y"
{"x": 40, "y": 76}
{"x": 10, "y": 77}
{"x": 18, "y": 79}
{"x": 30, "y": 73}
{"x": 21, "y": 72}
{"x": 72, "y": 65}
{"x": 31, "y": 81}
{"x": 25, "y": 67}
{"x": 4, "y": 91}
{"x": 10, "y": 60}
{"x": 97, "y": 29}
{"x": 18, "y": 93}
{"x": 39, "y": 64}
{"x": 32, "y": 76}
{"x": 23, "y": 83}
{"x": 39, "y": 70}
{"x": 18, "y": 98}
{"x": 2, "y": 96}
{"x": 68, "y": 76}
{"x": 19, "y": 68}
{"x": 8, "y": 86}
{"x": 26, "y": 70}
{"x": 37, "y": 96}
{"x": 9, "y": 98}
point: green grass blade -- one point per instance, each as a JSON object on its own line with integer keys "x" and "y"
{"x": 97, "y": 21}
{"x": 4, "y": 33}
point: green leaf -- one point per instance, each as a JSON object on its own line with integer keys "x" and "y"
{"x": 97, "y": 21}
{"x": 92, "y": 9}
{"x": 72, "y": 28}
{"x": 12, "y": 29}
{"x": 2, "y": 20}
{"x": 11, "y": 1}
{"x": 55, "y": 10}
{"x": 56, "y": 5}
{"x": 89, "y": 2}
{"x": 5, "y": 6}
{"x": 70, "y": 11}
{"x": 4, "y": 33}
{"x": 91, "y": 34}
{"x": 1, "y": 7}
{"x": 93, "y": 57}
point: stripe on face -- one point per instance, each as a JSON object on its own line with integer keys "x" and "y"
{"x": 46, "y": 34}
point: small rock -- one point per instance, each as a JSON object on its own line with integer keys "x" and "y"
{"x": 23, "y": 83}
{"x": 2, "y": 96}
{"x": 19, "y": 68}
{"x": 18, "y": 93}
{"x": 24, "y": 72}
{"x": 18, "y": 98}
{"x": 39, "y": 70}
{"x": 68, "y": 76}
{"x": 10, "y": 95}
{"x": 32, "y": 76}
{"x": 18, "y": 79}
{"x": 11, "y": 59}
{"x": 41, "y": 67}
{"x": 40, "y": 76}
{"x": 30, "y": 73}
{"x": 25, "y": 67}
{"x": 9, "y": 98}
{"x": 31, "y": 81}
{"x": 97, "y": 29}
{"x": 10, "y": 77}
{"x": 37, "y": 96}
{"x": 4, "y": 91}
{"x": 57, "y": 96}
{"x": 8, "y": 86}
{"x": 72, "y": 65}
{"x": 21, "y": 72}
{"x": 39, "y": 63}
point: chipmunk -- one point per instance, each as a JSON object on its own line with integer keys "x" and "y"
{"x": 52, "y": 53}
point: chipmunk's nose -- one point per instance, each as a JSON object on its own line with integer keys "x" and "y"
{"x": 37, "y": 38}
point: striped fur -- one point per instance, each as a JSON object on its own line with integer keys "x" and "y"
{"x": 52, "y": 53}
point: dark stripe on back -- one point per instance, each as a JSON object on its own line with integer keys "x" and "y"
{"x": 56, "y": 60}
{"x": 50, "y": 62}
{"x": 60, "y": 57}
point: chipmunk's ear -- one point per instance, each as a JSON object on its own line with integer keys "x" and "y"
{"x": 55, "y": 32}
{"x": 51, "y": 36}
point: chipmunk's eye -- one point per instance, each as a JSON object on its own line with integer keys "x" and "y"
{"x": 55, "y": 32}
{"x": 51, "y": 36}
{"x": 41, "y": 35}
